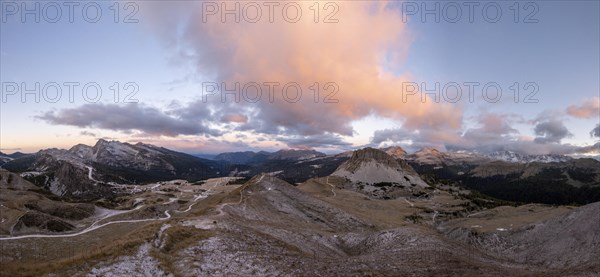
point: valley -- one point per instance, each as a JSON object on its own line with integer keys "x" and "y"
{"x": 373, "y": 215}
{"x": 202, "y": 138}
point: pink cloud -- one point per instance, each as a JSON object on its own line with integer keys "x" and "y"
{"x": 590, "y": 108}
{"x": 234, "y": 118}
{"x": 351, "y": 53}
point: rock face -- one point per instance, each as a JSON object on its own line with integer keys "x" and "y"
{"x": 375, "y": 173}
{"x": 433, "y": 157}
{"x": 375, "y": 166}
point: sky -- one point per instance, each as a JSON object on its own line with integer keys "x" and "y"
{"x": 212, "y": 76}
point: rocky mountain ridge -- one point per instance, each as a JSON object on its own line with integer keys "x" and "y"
{"x": 89, "y": 171}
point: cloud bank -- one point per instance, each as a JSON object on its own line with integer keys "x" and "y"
{"x": 494, "y": 133}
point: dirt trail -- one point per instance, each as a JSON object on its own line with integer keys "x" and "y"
{"x": 89, "y": 229}
{"x": 332, "y": 187}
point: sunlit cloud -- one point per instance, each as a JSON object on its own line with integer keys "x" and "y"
{"x": 590, "y": 108}
{"x": 350, "y": 54}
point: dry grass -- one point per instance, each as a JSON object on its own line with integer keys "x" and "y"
{"x": 383, "y": 213}
{"x": 67, "y": 256}
{"x": 509, "y": 217}
{"x": 175, "y": 239}
{"x": 287, "y": 241}
{"x": 74, "y": 257}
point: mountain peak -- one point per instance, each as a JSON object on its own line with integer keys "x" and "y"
{"x": 395, "y": 151}
{"x": 371, "y": 153}
{"x": 81, "y": 150}
{"x": 369, "y": 156}
{"x": 429, "y": 150}
{"x": 372, "y": 166}
{"x": 102, "y": 143}
{"x": 79, "y": 146}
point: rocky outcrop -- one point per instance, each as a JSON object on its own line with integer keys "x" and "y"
{"x": 375, "y": 173}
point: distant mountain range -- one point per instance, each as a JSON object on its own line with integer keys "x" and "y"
{"x": 250, "y": 157}
{"x": 550, "y": 179}
{"x": 89, "y": 171}
{"x": 510, "y": 156}
{"x": 4, "y": 158}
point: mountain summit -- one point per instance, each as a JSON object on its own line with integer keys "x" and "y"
{"x": 374, "y": 172}
{"x": 395, "y": 151}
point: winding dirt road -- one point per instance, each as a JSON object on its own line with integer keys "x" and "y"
{"x": 91, "y": 228}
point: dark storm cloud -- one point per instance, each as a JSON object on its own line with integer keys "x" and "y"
{"x": 132, "y": 117}
{"x": 394, "y": 135}
{"x": 596, "y": 131}
{"x": 552, "y": 131}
